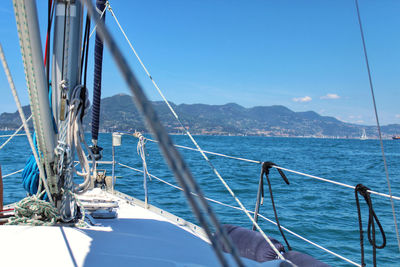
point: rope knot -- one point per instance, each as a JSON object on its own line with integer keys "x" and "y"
{"x": 362, "y": 190}
{"x": 266, "y": 166}
{"x": 372, "y": 219}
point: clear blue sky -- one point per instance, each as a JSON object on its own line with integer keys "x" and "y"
{"x": 306, "y": 55}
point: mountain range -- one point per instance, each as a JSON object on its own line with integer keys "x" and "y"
{"x": 118, "y": 113}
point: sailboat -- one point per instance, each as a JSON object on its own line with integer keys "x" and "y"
{"x": 363, "y": 135}
{"x": 66, "y": 223}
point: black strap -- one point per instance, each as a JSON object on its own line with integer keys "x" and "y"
{"x": 266, "y": 166}
{"x": 363, "y": 191}
{"x": 84, "y": 62}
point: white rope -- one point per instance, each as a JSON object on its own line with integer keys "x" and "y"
{"x": 14, "y": 134}
{"x": 213, "y": 153}
{"x": 71, "y": 140}
{"x": 195, "y": 143}
{"x": 24, "y": 123}
{"x": 141, "y": 150}
{"x": 9, "y": 135}
{"x": 10, "y": 174}
{"x": 76, "y": 138}
{"x": 252, "y": 212}
{"x": 334, "y": 182}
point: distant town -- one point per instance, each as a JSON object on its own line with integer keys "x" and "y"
{"x": 118, "y": 113}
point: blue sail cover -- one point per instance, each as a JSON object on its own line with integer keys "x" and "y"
{"x": 98, "y": 65}
{"x": 251, "y": 244}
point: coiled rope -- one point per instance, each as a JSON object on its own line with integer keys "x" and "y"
{"x": 71, "y": 140}
{"x": 34, "y": 211}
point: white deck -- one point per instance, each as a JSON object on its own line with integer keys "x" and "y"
{"x": 137, "y": 237}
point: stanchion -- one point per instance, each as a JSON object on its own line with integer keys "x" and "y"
{"x": 1, "y": 193}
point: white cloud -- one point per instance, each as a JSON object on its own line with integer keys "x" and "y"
{"x": 330, "y": 96}
{"x": 355, "y": 117}
{"x": 302, "y": 99}
{"x": 397, "y": 116}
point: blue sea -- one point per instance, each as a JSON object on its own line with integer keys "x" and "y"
{"x": 321, "y": 212}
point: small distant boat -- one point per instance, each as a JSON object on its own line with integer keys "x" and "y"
{"x": 364, "y": 135}
{"x": 396, "y": 137}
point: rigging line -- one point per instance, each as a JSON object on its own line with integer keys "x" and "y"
{"x": 279, "y": 167}
{"x": 175, "y": 161}
{"x": 213, "y": 153}
{"x": 24, "y": 122}
{"x": 260, "y": 215}
{"x": 334, "y": 182}
{"x": 14, "y": 134}
{"x": 194, "y": 141}
{"x": 85, "y": 43}
{"x": 8, "y": 135}
{"x": 86, "y": 53}
{"x": 377, "y": 122}
{"x": 10, "y": 174}
{"x": 47, "y": 48}
{"x": 101, "y": 16}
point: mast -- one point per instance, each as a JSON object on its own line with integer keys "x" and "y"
{"x": 66, "y": 55}
{"x": 66, "y": 80}
{"x": 31, "y": 50}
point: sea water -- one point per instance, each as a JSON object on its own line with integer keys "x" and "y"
{"x": 322, "y": 212}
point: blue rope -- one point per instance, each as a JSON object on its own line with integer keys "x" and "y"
{"x": 30, "y": 174}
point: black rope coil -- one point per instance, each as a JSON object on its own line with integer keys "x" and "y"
{"x": 372, "y": 218}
